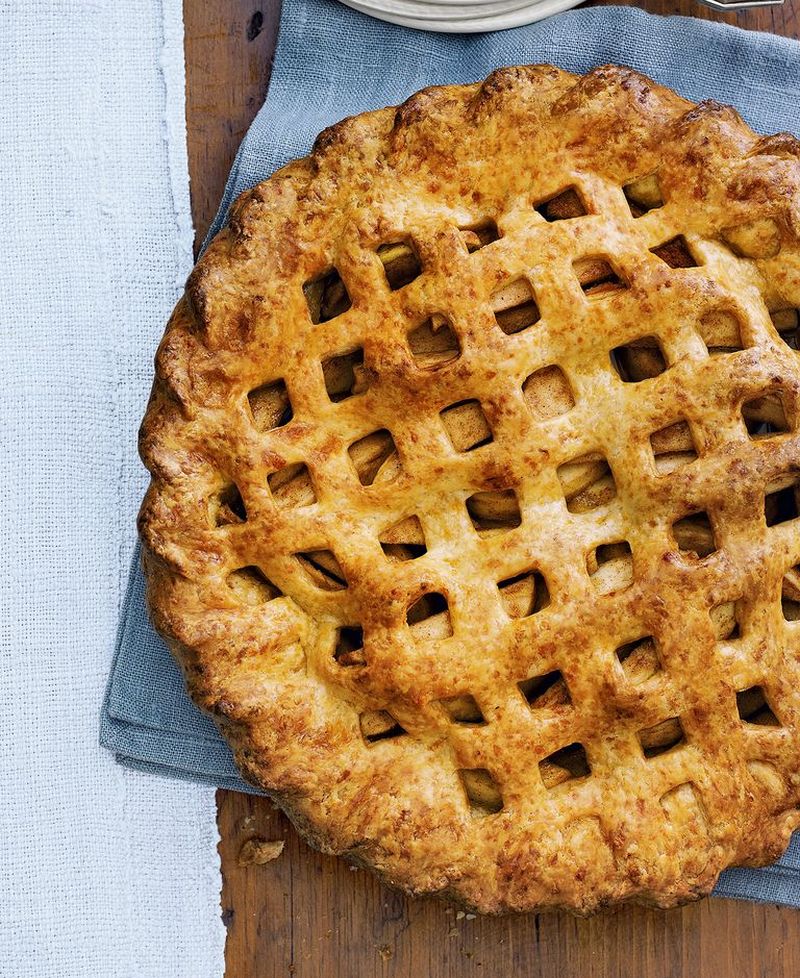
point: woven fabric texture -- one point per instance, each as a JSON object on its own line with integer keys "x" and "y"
{"x": 331, "y": 62}
{"x": 103, "y": 871}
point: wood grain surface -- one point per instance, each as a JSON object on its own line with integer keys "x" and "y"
{"x": 229, "y": 48}
{"x": 304, "y": 915}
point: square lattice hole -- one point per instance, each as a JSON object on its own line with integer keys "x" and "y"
{"x": 463, "y": 709}
{"x": 694, "y": 535}
{"x": 515, "y": 307}
{"x": 753, "y": 707}
{"x": 765, "y": 415}
{"x": 466, "y": 425}
{"x": 781, "y": 504}
{"x": 375, "y": 457}
{"x": 727, "y": 620}
{"x": 477, "y": 236}
{"x": 482, "y": 791}
{"x": 434, "y": 343}
{"x": 404, "y": 540}
{"x": 790, "y": 594}
{"x": 429, "y": 617}
{"x": 494, "y": 510}
{"x": 722, "y": 332}
{"x": 790, "y": 609}
{"x": 676, "y": 253}
{"x": 644, "y": 194}
{"x": 565, "y": 204}
{"x": 401, "y": 264}
{"x": 348, "y": 649}
{"x": 525, "y": 594}
{"x": 379, "y": 725}
{"x": 292, "y": 486}
{"x": 251, "y": 586}
{"x": 673, "y": 446}
{"x": 549, "y": 691}
{"x": 226, "y": 507}
{"x": 547, "y": 393}
{"x": 345, "y": 375}
{"x": 270, "y": 406}
{"x": 567, "y": 764}
{"x": 610, "y": 567}
{"x": 640, "y": 660}
{"x": 323, "y": 570}
{"x": 661, "y": 737}
{"x": 326, "y": 296}
{"x": 598, "y": 276}
{"x": 787, "y": 323}
{"x": 639, "y": 360}
{"x": 587, "y": 483}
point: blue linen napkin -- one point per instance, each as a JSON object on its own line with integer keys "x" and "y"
{"x": 332, "y": 61}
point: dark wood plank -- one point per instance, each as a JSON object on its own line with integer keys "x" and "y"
{"x": 776, "y": 20}
{"x": 229, "y": 46}
{"x": 308, "y": 916}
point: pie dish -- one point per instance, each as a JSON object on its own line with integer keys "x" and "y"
{"x": 474, "y": 507}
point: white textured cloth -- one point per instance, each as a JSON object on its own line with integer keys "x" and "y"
{"x": 104, "y": 872}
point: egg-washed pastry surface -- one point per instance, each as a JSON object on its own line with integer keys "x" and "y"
{"x": 474, "y": 504}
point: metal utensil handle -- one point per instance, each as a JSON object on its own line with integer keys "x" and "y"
{"x": 740, "y": 4}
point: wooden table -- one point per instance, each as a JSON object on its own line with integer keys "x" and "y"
{"x": 311, "y": 916}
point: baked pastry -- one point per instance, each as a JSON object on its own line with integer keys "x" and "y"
{"x": 473, "y": 518}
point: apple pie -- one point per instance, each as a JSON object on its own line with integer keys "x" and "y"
{"x": 475, "y": 480}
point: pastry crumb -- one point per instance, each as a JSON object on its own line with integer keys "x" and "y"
{"x": 257, "y": 852}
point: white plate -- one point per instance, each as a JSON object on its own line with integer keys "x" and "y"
{"x": 443, "y": 20}
{"x": 442, "y": 10}
{"x": 441, "y": 6}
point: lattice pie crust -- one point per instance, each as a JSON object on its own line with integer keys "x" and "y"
{"x": 474, "y": 512}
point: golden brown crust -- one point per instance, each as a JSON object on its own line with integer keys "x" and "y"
{"x": 477, "y": 575}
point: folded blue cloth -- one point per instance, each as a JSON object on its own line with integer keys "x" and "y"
{"x": 331, "y": 62}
